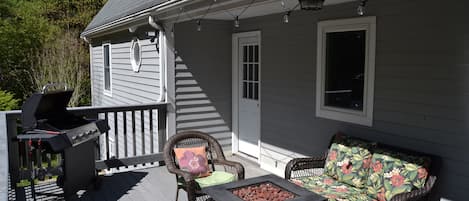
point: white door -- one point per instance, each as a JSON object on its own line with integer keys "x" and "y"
{"x": 249, "y": 93}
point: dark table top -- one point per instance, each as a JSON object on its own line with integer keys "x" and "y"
{"x": 223, "y": 192}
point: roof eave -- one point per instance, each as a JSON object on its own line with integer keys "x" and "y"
{"x": 132, "y": 18}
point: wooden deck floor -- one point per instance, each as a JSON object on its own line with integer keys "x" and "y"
{"x": 152, "y": 184}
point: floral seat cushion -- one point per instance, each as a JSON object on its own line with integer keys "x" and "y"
{"x": 390, "y": 176}
{"x": 331, "y": 189}
{"x": 348, "y": 164}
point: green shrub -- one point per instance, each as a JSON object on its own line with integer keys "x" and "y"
{"x": 8, "y": 101}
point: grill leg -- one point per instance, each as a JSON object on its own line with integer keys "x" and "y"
{"x": 31, "y": 179}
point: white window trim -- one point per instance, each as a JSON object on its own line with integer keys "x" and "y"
{"x": 105, "y": 91}
{"x": 364, "y": 117}
{"x": 135, "y": 64}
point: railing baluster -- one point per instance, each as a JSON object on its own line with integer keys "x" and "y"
{"x": 142, "y": 125}
{"x": 152, "y": 146}
{"x": 116, "y": 135}
{"x": 107, "y": 137}
{"x": 124, "y": 117}
{"x": 134, "y": 139}
{"x": 152, "y": 150}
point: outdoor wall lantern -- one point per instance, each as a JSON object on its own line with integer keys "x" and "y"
{"x": 311, "y": 4}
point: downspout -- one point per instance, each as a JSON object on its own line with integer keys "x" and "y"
{"x": 162, "y": 44}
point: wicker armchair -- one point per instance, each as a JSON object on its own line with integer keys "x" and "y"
{"x": 215, "y": 156}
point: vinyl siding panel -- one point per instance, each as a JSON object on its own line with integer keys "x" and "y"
{"x": 128, "y": 88}
{"x": 421, "y": 84}
{"x": 203, "y": 79}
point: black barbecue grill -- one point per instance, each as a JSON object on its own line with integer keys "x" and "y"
{"x": 49, "y": 126}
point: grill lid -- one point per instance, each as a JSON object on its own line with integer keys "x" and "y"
{"x": 42, "y": 107}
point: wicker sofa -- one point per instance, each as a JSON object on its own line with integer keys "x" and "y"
{"x": 358, "y": 170}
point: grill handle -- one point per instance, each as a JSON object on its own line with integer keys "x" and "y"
{"x": 46, "y": 88}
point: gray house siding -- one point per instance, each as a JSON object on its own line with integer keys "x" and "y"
{"x": 421, "y": 88}
{"x": 128, "y": 87}
{"x": 203, "y": 79}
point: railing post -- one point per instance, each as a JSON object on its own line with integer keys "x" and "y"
{"x": 9, "y": 155}
{"x": 162, "y": 115}
{"x": 3, "y": 158}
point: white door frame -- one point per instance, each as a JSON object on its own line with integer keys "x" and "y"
{"x": 235, "y": 89}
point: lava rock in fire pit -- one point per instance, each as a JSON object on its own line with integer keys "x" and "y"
{"x": 263, "y": 192}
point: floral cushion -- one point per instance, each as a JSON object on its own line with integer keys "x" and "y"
{"x": 390, "y": 176}
{"x": 193, "y": 160}
{"x": 348, "y": 164}
{"x": 331, "y": 189}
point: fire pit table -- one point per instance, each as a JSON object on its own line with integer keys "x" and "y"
{"x": 265, "y": 188}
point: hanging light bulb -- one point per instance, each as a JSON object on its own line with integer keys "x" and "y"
{"x": 361, "y": 7}
{"x": 236, "y": 22}
{"x": 172, "y": 32}
{"x": 286, "y": 17}
{"x": 199, "y": 26}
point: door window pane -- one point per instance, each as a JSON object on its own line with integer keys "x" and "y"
{"x": 256, "y": 53}
{"x": 345, "y": 69}
{"x": 251, "y": 69}
{"x": 251, "y": 53}
{"x": 250, "y": 95}
{"x": 245, "y": 53}
{"x": 256, "y": 91}
{"x": 245, "y": 71}
{"x": 245, "y": 90}
{"x": 256, "y": 72}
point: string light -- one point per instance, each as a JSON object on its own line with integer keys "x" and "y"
{"x": 198, "y": 21}
{"x": 361, "y": 7}
{"x": 286, "y": 17}
{"x": 199, "y": 26}
{"x": 236, "y": 22}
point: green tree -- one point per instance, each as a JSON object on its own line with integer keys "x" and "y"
{"x": 64, "y": 61}
{"x": 7, "y": 101}
{"x": 23, "y": 31}
{"x": 30, "y": 36}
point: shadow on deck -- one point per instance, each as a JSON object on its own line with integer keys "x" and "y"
{"x": 151, "y": 184}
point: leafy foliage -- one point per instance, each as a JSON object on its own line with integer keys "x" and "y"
{"x": 64, "y": 61}
{"x": 7, "y": 101}
{"x": 32, "y": 37}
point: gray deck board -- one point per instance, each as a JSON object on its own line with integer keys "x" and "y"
{"x": 151, "y": 184}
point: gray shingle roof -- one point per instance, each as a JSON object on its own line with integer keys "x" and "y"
{"x": 116, "y": 9}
